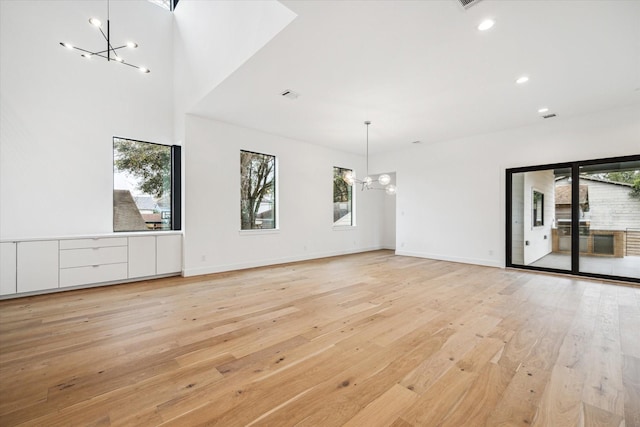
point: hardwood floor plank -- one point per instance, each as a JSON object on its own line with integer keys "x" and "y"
{"x": 365, "y": 339}
{"x": 596, "y": 417}
{"x": 603, "y": 385}
{"x": 385, "y": 409}
{"x": 631, "y": 384}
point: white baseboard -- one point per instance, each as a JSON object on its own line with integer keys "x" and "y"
{"x": 475, "y": 261}
{"x": 188, "y": 272}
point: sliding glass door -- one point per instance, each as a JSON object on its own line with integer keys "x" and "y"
{"x": 579, "y": 217}
{"x": 612, "y": 219}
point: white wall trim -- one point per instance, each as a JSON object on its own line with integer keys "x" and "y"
{"x": 476, "y": 261}
{"x": 269, "y": 262}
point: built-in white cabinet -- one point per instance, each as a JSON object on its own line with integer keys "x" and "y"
{"x": 37, "y": 265}
{"x": 88, "y": 261}
{"x": 155, "y": 255}
{"x": 43, "y": 265}
{"x": 8, "y": 268}
{"x": 142, "y": 256}
{"x": 169, "y": 254}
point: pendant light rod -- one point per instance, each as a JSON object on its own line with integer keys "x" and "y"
{"x": 367, "y": 122}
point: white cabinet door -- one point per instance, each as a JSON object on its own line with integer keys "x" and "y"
{"x": 169, "y": 254}
{"x": 142, "y": 256}
{"x": 37, "y": 265}
{"x": 7, "y": 268}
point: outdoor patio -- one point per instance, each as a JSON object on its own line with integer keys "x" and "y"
{"x": 628, "y": 266}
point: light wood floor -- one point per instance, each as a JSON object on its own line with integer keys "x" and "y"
{"x": 364, "y": 340}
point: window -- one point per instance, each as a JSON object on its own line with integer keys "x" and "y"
{"x": 342, "y": 198}
{"x": 538, "y": 208}
{"x": 257, "y": 191}
{"x": 146, "y": 186}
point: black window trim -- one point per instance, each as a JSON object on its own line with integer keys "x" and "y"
{"x": 176, "y": 183}
{"x": 575, "y": 201}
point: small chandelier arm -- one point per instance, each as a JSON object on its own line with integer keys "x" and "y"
{"x": 367, "y": 182}
{"x": 110, "y": 52}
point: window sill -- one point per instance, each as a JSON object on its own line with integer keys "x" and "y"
{"x": 344, "y": 227}
{"x": 259, "y": 231}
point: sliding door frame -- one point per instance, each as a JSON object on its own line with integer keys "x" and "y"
{"x": 575, "y": 215}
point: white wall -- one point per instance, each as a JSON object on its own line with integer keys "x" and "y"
{"x": 212, "y": 39}
{"x": 388, "y": 225}
{"x": 538, "y": 238}
{"x": 59, "y": 111}
{"x": 451, "y": 201}
{"x": 213, "y": 241}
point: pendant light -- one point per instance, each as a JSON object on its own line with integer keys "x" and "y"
{"x": 368, "y": 182}
{"x": 109, "y": 53}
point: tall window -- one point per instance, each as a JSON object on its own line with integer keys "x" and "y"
{"x": 145, "y": 178}
{"x": 342, "y": 198}
{"x": 257, "y": 191}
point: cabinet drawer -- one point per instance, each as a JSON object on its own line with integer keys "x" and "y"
{"x": 93, "y": 274}
{"x": 93, "y": 243}
{"x": 92, "y": 256}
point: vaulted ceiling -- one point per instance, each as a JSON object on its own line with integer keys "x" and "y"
{"x": 422, "y": 71}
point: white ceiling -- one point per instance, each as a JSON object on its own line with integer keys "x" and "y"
{"x": 420, "y": 70}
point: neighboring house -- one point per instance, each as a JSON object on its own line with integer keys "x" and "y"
{"x": 604, "y": 204}
{"x": 126, "y": 216}
{"x": 146, "y": 204}
{"x": 156, "y": 213}
{"x": 609, "y": 218}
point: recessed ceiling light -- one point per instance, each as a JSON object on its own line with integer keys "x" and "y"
{"x": 132, "y": 45}
{"x": 144, "y": 70}
{"x": 486, "y": 24}
{"x": 86, "y": 55}
{"x": 117, "y": 58}
{"x": 543, "y": 110}
{"x": 522, "y": 80}
{"x": 67, "y": 45}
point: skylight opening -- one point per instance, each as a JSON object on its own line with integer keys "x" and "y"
{"x": 165, "y": 4}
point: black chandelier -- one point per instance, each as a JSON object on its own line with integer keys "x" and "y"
{"x": 110, "y": 53}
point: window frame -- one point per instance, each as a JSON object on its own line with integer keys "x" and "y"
{"x": 275, "y": 209}
{"x": 175, "y": 186}
{"x": 575, "y": 168}
{"x": 351, "y": 198}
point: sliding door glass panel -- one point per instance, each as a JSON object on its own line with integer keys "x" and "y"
{"x": 610, "y": 219}
{"x": 541, "y": 219}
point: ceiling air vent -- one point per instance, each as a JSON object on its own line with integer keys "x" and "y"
{"x": 548, "y": 116}
{"x": 290, "y": 94}
{"x": 468, "y": 3}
